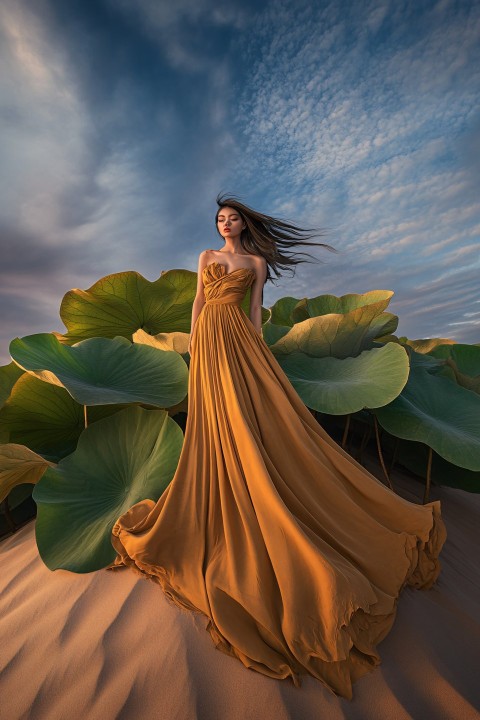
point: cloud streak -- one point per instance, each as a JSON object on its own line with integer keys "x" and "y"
{"x": 121, "y": 122}
{"x": 372, "y": 118}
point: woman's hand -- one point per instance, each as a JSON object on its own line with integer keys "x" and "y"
{"x": 190, "y": 345}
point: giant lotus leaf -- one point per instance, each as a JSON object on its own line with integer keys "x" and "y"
{"x": 462, "y": 363}
{"x": 336, "y": 335}
{"x": 280, "y": 320}
{"x": 9, "y": 375}
{"x": 433, "y": 410}
{"x": 121, "y": 303}
{"x": 288, "y": 310}
{"x": 281, "y": 311}
{"x": 338, "y": 387}
{"x": 360, "y": 315}
{"x": 102, "y": 371}
{"x": 177, "y": 341}
{"x": 46, "y": 418}
{"x": 424, "y": 345}
{"x": 119, "y": 461}
{"x": 333, "y": 305}
{"x": 466, "y": 357}
{"x": 19, "y": 465}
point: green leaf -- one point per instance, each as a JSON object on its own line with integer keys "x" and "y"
{"x": 336, "y": 335}
{"x": 177, "y": 341}
{"x": 433, "y": 410}
{"x": 100, "y": 371}
{"x": 281, "y": 311}
{"x": 9, "y": 375}
{"x": 462, "y": 362}
{"x": 466, "y": 357}
{"x": 333, "y": 305}
{"x": 18, "y": 465}
{"x": 338, "y": 387}
{"x": 426, "y": 345}
{"x": 272, "y": 333}
{"x": 119, "y": 461}
{"x": 46, "y": 418}
{"x": 121, "y": 303}
{"x": 353, "y": 314}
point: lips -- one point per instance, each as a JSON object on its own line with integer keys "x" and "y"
{"x": 227, "y": 229}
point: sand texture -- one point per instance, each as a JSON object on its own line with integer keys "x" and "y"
{"x": 109, "y": 645}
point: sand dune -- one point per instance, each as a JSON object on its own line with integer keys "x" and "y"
{"x": 108, "y": 645}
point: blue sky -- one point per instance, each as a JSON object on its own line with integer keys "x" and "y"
{"x": 121, "y": 120}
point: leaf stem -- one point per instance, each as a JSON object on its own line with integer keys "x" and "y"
{"x": 345, "y": 433}
{"x": 429, "y": 475}
{"x": 380, "y": 454}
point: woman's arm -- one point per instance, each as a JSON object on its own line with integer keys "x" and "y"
{"x": 256, "y": 294}
{"x": 199, "y": 301}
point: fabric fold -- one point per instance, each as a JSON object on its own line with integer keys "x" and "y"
{"x": 291, "y": 549}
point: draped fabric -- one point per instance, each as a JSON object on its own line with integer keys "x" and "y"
{"x": 293, "y": 551}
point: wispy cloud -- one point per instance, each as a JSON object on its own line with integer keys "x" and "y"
{"x": 370, "y": 118}
{"x": 121, "y": 121}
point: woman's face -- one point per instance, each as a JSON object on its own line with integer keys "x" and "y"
{"x": 229, "y": 222}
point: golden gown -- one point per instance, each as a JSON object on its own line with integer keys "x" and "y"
{"x": 293, "y": 551}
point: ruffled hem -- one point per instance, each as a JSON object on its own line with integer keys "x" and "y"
{"x": 158, "y": 575}
{"x": 364, "y": 628}
{"x": 426, "y": 567}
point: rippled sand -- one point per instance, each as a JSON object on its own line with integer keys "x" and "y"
{"x": 109, "y": 646}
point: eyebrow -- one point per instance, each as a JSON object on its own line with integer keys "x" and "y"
{"x": 222, "y": 215}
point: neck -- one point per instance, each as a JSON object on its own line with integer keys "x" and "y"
{"x": 233, "y": 247}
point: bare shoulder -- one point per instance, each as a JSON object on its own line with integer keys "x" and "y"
{"x": 259, "y": 261}
{"x": 205, "y": 256}
{"x": 260, "y": 266}
{"x": 203, "y": 260}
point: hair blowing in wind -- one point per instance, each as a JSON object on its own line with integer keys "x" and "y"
{"x": 271, "y": 237}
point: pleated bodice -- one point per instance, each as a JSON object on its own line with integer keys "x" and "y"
{"x": 222, "y": 287}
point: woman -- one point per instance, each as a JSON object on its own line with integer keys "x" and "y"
{"x": 293, "y": 551}
{"x": 262, "y": 237}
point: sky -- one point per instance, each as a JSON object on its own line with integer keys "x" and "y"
{"x": 121, "y": 121}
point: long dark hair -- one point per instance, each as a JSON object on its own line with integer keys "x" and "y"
{"x": 267, "y": 236}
